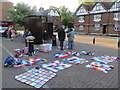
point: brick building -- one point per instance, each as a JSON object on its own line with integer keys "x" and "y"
{"x": 5, "y": 5}
{"x": 81, "y": 19}
{"x": 4, "y": 17}
{"x": 101, "y": 18}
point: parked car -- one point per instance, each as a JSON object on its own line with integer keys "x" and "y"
{"x": 56, "y": 30}
{"x": 2, "y": 29}
{"x": 67, "y": 30}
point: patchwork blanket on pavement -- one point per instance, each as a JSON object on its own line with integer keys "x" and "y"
{"x": 56, "y": 65}
{"x": 33, "y": 61}
{"x": 72, "y": 53}
{"x": 100, "y": 67}
{"x": 76, "y": 60}
{"x": 35, "y": 77}
{"x": 105, "y": 59}
{"x": 61, "y": 55}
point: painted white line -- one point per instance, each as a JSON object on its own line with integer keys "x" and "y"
{"x": 45, "y": 86}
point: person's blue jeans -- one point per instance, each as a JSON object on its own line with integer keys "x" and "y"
{"x": 5, "y": 34}
{"x": 70, "y": 44}
{"x": 25, "y": 42}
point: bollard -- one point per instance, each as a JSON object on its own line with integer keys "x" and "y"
{"x": 118, "y": 42}
{"x": 94, "y": 39}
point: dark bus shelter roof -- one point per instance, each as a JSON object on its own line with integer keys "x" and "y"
{"x": 38, "y": 14}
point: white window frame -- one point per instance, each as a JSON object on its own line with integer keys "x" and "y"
{"x": 81, "y": 28}
{"x": 56, "y": 13}
{"x": 82, "y": 10}
{"x": 81, "y": 19}
{"x": 97, "y": 17}
{"x": 115, "y": 6}
{"x": 98, "y": 7}
{"x": 116, "y": 16}
{"x": 97, "y": 27}
{"x": 51, "y": 13}
{"x": 117, "y": 27}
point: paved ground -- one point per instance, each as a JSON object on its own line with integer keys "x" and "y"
{"x": 77, "y": 76}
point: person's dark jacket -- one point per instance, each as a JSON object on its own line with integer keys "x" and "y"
{"x": 45, "y": 36}
{"x": 29, "y": 34}
{"x": 61, "y": 35}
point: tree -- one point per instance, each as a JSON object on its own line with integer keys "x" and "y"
{"x": 66, "y": 15}
{"x": 18, "y": 12}
{"x": 53, "y": 7}
{"x": 86, "y": 1}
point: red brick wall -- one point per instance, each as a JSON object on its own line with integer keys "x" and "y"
{"x": 111, "y": 26}
{"x": 5, "y": 7}
{"x": 76, "y": 24}
{"x": 104, "y": 19}
{"x": 57, "y": 22}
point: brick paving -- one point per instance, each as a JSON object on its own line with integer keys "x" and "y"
{"x": 77, "y": 76}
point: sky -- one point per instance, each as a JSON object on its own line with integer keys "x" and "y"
{"x": 70, "y": 4}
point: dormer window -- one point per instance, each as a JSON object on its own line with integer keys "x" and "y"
{"x": 51, "y": 13}
{"x": 97, "y": 18}
{"x": 98, "y": 8}
{"x": 81, "y": 11}
{"x": 116, "y": 6}
{"x": 81, "y": 18}
{"x": 56, "y": 13}
{"x": 116, "y": 16}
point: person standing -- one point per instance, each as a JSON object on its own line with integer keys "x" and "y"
{"x": 73, "y": 36}
{"x": 12, "y": 35}
{"x": 45, "y": 37}
{"x": 27, "y": 33}
{"x": 61, "y": 37}
{"x": 70, "y": 39}
{"x": 5, "y": 33}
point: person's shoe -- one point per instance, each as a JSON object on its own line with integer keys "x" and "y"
{"x": 11, "y": 39}
{"x": 61, "y": 49}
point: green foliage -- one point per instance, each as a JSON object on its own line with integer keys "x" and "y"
{"x": 18, "y": 12}
{"x": 18, "y": 27}
{"x": 85, "y": 1}
{"x": 53, "y": 7}
{"x": 66, "y": 16}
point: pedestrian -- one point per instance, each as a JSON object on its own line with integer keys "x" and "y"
{"x": 70, "y": 39}
{"x": 13, "y": 34}
{"x": 45, "y": 37}
{"x": 5, "y": 33}
{"x": 27, "y": 33}
{"x": 118, "y": 39}
{"x": 10, "y": 33}
{"x": 73, "y": 36}
{"x": 61, "y": 37}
